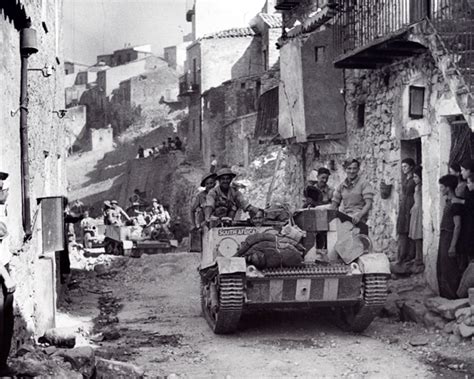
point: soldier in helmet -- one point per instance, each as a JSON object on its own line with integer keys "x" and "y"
{"x": 224, "y": 200}
{"x": 208, "y": 181}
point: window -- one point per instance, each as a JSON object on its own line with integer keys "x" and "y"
{"x": 194, "y": 126}
{"x": 319, "y": 52}
{"x": 265, "y": 60}
{"x": 194, "y": 71}
{"x": 361, "y": 115}
{"x": 416, "y": 102}
{"x": 242, "y": 85}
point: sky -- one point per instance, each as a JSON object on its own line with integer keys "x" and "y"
{"x": 94, "y": 27}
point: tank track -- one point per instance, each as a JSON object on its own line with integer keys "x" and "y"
{"x": 375, "y": 295}
{"x": 231, "y": 301}
{"x": 226, "y": 317}
{"x": 375, "y": 290}
{"x": 308, "y": 270}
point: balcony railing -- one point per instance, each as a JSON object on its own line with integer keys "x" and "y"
{"x": 454, "y": 21}
{"x": 284, "y": 5}
{"x": 360, "y": 24}
{"x": 186, "y": 87}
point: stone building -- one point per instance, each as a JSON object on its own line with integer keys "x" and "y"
{"x": 176, "y": 56}
{"x": 33, "y": 265}
{"x": 268, "y": 25}
{"x": 74, "y": 67}
{"x": 408, "y": 93}
{"x": 142, "y": 94}
{"x": 79, "y": 82}
{"x": 211, "y": 60}
{"x": 76, "y": 128}
{"x": 101, "y": 139}
{"x": 98, "y": 96}
{"x": 211, "y": 16}
{"x": 126, "y": 55}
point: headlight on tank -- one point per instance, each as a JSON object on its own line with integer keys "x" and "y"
{"x": 227, "y": 247}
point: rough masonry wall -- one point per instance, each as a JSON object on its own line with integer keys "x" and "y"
{"x": 378, "y": 144}
{"x": 213, "y": 125}
{"x": 147, "y": 89}
{"x": 47, "y": 152}
{"x": 224, "y": 59}
{"x": 239, "y": 140}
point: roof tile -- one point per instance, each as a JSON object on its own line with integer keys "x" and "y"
{"x": 272, "y": 20}
{"x": 230, "y": 33}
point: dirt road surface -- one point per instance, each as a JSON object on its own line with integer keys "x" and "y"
{"x": 149, "y": 314}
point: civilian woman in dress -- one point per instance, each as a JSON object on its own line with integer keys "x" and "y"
{"x": 406, "y": 248}
{"x": 448, "y": 271}
{"x": 467, "y": 169}
{"x": 354, "y": 196}
{"x": 468, "y": 223}
{"x": 455, "y": 169}
{"x": 415, "y": 232}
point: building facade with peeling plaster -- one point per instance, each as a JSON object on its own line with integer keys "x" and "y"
{"x": 388, "y": 56}
{"x": 32, "y": 267}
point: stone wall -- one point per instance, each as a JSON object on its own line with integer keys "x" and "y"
{"x": 224, "y": 59}
{"x": 229, "y": 119}
{"x": 33, "y": 312}
{"x": 239, "y": 141}
{"x": 379, "y": 143}
{"x": 101, "y": 139}
{"x": 149, "y": 88}
{"x": 75, "y": 126}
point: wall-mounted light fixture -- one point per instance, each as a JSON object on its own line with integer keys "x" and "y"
{"x": 61, "y": 113}
{"x": 46, "y": 71}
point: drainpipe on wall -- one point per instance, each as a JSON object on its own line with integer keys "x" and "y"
{"x": 27, "y": 48}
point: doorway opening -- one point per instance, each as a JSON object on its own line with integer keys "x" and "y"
{"x": 411, "y": 149}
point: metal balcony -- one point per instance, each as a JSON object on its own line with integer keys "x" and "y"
{"x": 371, "y": 33}
{"x": 186, "y": 87}
{"x": 285, "y": 5}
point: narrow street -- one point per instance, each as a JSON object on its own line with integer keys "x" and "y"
{"x": 151, "y": 317}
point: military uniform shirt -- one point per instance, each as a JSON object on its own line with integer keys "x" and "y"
{"x": 353, "y": 194}
{"x": 233, "y": 200}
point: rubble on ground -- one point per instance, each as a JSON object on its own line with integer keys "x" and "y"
{"x": 79, "y": 362}
{"x": 410, "y": 301}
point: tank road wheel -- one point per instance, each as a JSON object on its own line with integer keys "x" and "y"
{"x": 109, "y": 246}
{"x": 357, "y": 318}
{"x": 222, "y": 300}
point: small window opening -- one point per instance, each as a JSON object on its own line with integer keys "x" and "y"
{"x": 361, "y": 115}
{"x": 416, "y": 102}
{"x": 319, "y": 52}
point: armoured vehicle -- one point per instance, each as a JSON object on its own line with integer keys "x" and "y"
{"x": 132, "y": 241}
{"x": 354, "y": 287}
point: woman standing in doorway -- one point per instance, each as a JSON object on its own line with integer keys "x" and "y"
{"x": 405, "y": 245}
{"x": 455, "y": 169}
{"x": 467, "y": 169}
{"x": 448, "y": 271}
{"x": 415, "y": 232}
